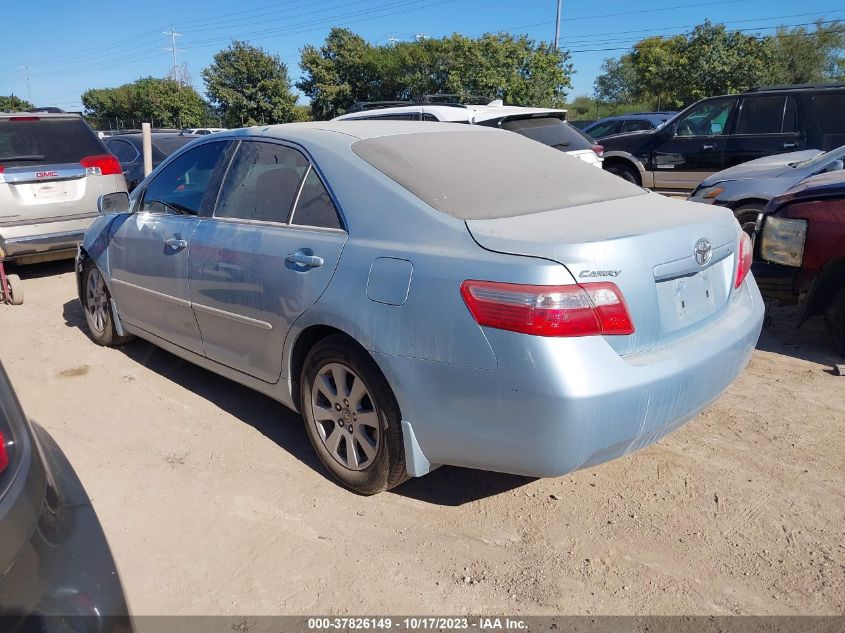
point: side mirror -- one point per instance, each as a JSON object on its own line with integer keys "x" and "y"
{"x": 117, "y": 202}
{"x": 669, "y": 130}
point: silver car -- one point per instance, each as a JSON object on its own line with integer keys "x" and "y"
{"x": 746, "y": 188}
{"x": 53, "y": 168}
{"x": 429, "y": 293}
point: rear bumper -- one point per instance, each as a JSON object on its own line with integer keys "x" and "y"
{"x": 37, "y": 239}
{"x": 64, "y": 577}
{"x": 556, "y": 405}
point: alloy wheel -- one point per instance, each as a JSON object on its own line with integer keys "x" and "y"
{"x": 96, "y": 300}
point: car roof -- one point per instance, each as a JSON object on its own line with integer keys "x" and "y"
{"x": 138, "y": 135}
{"x": 42, "y": 115}
{"x": 357, "y": 130}
{"x": 492, "y": 110}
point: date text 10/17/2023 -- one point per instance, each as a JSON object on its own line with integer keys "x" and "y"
{"x": 422, "y": 623}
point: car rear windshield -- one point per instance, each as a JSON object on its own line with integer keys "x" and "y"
{"x": 46, "y": 141}
{"x": 550, "y": 131}
{"x": 169, "y": 145}
{"x": 483, "y": 174}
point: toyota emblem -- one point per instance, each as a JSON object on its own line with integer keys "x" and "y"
{"x": 703, "y": 251}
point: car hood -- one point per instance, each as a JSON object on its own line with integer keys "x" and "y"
{"x": 767, "y": 167}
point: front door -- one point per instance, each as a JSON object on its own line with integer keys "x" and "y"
{"x": 148, "y": 253}
{"x": 263, "y": 258}
{"x": 765, "y": 126}
{"x": 695, "y": 149}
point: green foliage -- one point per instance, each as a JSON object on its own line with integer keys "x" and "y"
{"x": 346, "y": 68}
{"x": 671, "y": 72}
{"x": 585, "y": 108}
{"x": 14, "y": 104}
{"x": 163, "y": 102}
{"x": 249, "y": 86}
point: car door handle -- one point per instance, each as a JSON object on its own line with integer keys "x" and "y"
{"x": 708, "y": 146}
{"x": 304, "y": 259}
{"x": 176, "y": 244}
{"x": 789, "y": 145}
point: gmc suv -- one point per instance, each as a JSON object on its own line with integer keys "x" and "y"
{"x": 721, "y": 132}
{"x": 52, "y": 170}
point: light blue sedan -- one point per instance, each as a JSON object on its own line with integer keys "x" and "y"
{"x": 429, "y": 293}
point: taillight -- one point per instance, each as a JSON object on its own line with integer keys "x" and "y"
{"x": 744, "y": 257}
{"x": 599, "y": 150}
{"x": 588, "y": 309}
{"x": 101, "y": 165}
{"x": 4, "y": 453}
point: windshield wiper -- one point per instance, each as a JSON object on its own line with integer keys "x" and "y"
{"x": 22, "y": 157}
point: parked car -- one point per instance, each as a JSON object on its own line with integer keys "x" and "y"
{"x": 800, "y": 250}
{"x": 633, "y": 122}
{"x": 308, "y": 260}
{"x": 746, "y": 188}
{"x": 56, "y": 569}
{"x": 52, "y": 170}
{"x": 202, "y": 131}
{"x": 129, "y": 151}
{"x": 546, "y": 125}
{"x": 721, "y": 132}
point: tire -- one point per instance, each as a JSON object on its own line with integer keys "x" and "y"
{"x": 15, "y": 287}
{"x": 370, "y": 458}
{"x": 746, "y": 214}
{"x": 96, "y": 304}
{"x": 835, "y": 317}
{"x": 625, "y": 173}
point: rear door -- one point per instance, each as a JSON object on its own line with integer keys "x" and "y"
{"x": 696, "y": 148}
{"x": 264, "y": 256}
{"x": 765, "y": 125}
{"x": 148, "y": 253}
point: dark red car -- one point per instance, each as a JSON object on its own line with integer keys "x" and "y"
{"x": 800, "y": 250}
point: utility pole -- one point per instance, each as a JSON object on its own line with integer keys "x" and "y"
{"x": 173, "y": 35}
{"x": 557, "y": 26}
{"x": 25, "y": 69}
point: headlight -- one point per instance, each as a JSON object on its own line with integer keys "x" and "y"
{"x": 783, "y": 241}
{"x": 708, "y": 193}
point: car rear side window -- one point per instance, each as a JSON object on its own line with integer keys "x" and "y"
{"x": 829, "y": 113}
{"x": 182, "y": 186}
{"x": 766, "y": 115}
{"x": 483, "y": 174}
{"x": 549, "y": 131}
{"x": 314, "y": 206}
{"x": 633, "y": 125}
{"x": 33, "y": 140}
{"x": 124, "y": 150}
{"x": 605, "y": 129}
{"x": 262, "y": 182}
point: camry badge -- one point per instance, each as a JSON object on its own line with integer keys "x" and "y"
{"x": 703, "y": 251}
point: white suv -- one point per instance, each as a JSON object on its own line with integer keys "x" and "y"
{"x": 546, "y": 125}
{"x": 53, "y": 167}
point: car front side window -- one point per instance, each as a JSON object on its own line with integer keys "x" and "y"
{"x": 706, "y": 119}
{"x": 181, "y": 188}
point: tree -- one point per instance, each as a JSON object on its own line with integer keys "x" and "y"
{"x": 249, "y": 86}
{"x": 14, "y": 104}
{"x": 803, "y": 56}
{"x": 617, "y": 82}
{"x": 164, "y": 101}
{"x": 347, "y": 68}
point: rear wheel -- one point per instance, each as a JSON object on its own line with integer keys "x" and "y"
{"x": 624, "y": 172}
{"x": 15, "y": 287}
{"x": 352, "y": 417}
{"x": 96, "y": 303}
{"x": 835, "y": 317}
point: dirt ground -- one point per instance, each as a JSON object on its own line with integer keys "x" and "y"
{"x": 214, "y": 503}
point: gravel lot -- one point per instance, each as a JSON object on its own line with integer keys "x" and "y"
{"x": 214, "y": 503}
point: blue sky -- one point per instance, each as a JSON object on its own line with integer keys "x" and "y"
{"x": 70, "y": 47}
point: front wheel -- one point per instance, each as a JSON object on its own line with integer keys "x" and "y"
{"x": 352, "y": 417}
{"x": 624, "y": 172}
{"x": 96, "y": 303}
{"x": 746, "y": 214}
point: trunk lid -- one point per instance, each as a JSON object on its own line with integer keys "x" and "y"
{"x": 646, "y": 245}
